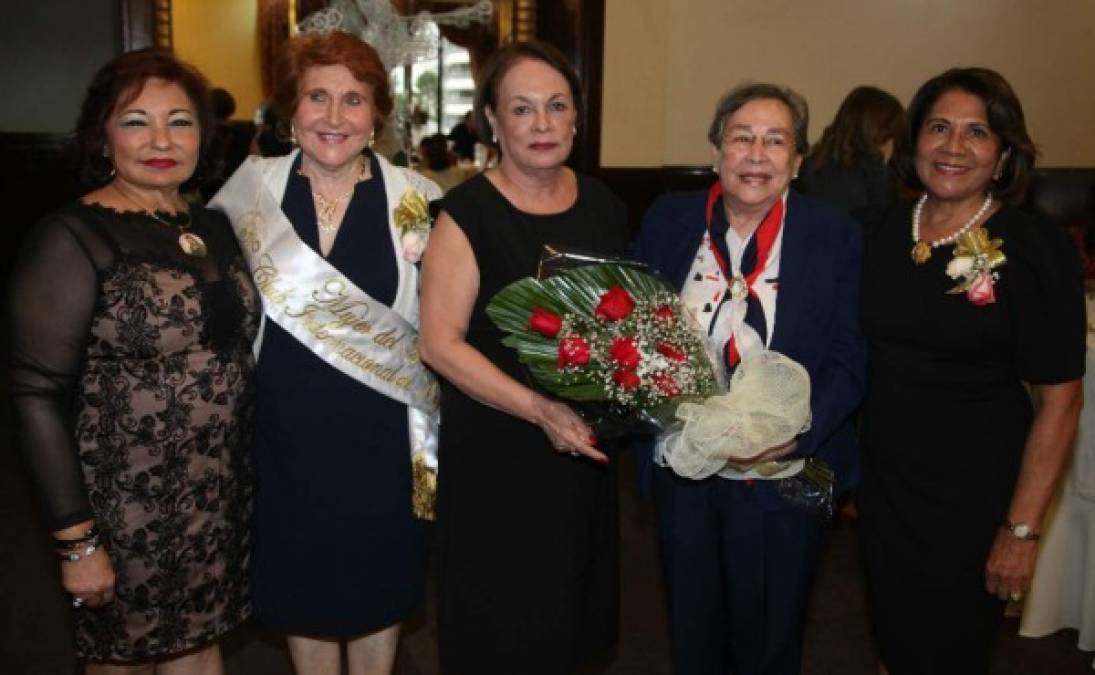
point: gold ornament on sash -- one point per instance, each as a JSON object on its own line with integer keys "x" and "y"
{"x": 412, "y": 217}
{"x": 424, "y": 492}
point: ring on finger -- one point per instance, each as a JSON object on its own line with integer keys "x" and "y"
{"x": 77, "y": 602}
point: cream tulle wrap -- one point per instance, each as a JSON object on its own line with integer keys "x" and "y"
{"x": 768, "y": 405}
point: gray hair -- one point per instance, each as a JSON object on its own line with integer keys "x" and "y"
{"x": 737, "y": 97}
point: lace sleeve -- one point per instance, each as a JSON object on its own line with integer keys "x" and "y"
{"x": 51, "y": 299}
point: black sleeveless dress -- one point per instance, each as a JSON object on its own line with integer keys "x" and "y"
{"x": 527, "y": 537}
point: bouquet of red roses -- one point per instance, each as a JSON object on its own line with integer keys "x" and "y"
{"x": 606, "y": 333}
{"x": 616, "y": 340}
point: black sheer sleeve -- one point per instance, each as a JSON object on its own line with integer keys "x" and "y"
{"x": 51, "y": 301}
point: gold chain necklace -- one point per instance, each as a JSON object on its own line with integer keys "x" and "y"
{"x": 326, "y": 209}
{"x": 189, "y": 243}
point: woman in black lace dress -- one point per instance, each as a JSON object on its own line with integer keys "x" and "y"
{"x": 131, "y": 318}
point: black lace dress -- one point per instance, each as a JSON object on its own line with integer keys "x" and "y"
{"x": 131, "y": 372}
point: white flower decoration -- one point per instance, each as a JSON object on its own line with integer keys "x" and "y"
{"x": 414, "y": 243}
{"x": 960, "y": 266}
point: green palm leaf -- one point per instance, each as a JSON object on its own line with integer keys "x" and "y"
{"x": 576, "y": 291}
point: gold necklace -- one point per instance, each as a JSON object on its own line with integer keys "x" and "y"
{"x": 326, "y": 209}
{"x": 189, "y": 243}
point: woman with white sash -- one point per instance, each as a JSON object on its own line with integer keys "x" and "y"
{"x": 345, "y": 409}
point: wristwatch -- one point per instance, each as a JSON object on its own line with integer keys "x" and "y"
{"x": 1021, "y": 531}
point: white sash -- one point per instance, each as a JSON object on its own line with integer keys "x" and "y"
{"x": 327, "y": 313}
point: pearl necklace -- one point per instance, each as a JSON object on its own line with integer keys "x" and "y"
{"x": 922, "y": 250}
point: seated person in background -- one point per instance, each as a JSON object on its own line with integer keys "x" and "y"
{"x": 463, "y": 138}
{"x": 270, "y": 140}
{"x": 847, "y": 168}
{"x": 229, "y": 145}
{"x": 437, "y": 164}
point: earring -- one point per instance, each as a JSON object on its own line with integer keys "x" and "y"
{"x": 574, "y": 130}
{"x": 292, "y": 134}
{"x": 106, "y": 156}
{"x": 715, "y": 169}
{"x": 372, "y": 137}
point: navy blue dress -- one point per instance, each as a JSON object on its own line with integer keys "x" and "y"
{"x": 337, "y": 549}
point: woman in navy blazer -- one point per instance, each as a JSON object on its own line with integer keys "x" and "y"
{"x": 761, "y": 267}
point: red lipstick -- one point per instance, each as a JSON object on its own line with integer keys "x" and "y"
{"x": 160, "y": 163}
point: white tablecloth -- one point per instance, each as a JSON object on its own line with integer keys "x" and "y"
{"x": 1062, "y": 594}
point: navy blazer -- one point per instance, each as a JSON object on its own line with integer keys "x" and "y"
{"x": 817, "y": 312}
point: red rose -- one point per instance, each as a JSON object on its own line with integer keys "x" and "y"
{"x": 981, "y": 292}
{"x": 671, "y": 352}
{"x": 665, "y": 314}
{"x": 615, "y": 304}
{"x": 573, "y": 351}
{"x": 665, "y": 383}
{"x": 544, "y": 322}
{"x": 627, "y": 379}
{"x": 624, "y": 352}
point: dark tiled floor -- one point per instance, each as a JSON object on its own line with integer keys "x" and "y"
{"x": 34, "y": 615}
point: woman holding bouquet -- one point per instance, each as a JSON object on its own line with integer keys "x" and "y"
{"x": 761, "y": 267}
{"x": 527, "y": 540}
{"x": 959, "y": 466}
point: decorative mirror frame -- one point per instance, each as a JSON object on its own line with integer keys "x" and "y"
{"x": 575, "y": 26}
{"x": 147, "y": 23}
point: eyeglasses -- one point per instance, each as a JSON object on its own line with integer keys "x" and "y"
{"x": 775, "y": 140}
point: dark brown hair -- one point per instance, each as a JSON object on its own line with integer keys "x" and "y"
{"x": 435, "y": 152}
{"x": 328, "y": 49}
{"x": 866, "y": 119}
{"x": 736, "y": 98}
{"x": 499, "y": 63}
{"x": 1005, "y": 118}
{"x": 116, "y": 85}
